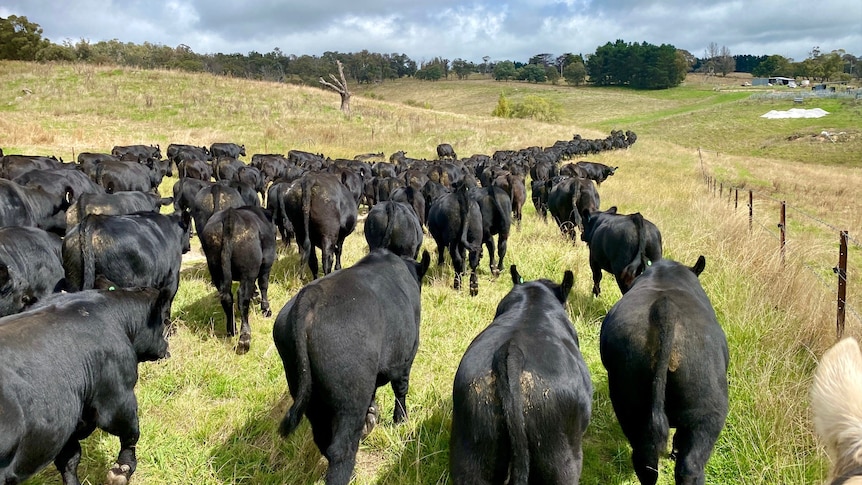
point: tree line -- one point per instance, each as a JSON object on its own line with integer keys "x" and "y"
{"x": 636, "y": 65}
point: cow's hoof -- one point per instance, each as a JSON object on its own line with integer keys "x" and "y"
{"x": 495, "y": 271}
{"x": 266, "y": 312}
{"x": 474, "y": 290}
{"x": 371, "y": 419}
{"x": 119, "y": 474}
{"x": 244, "y": 344}
{"x": 457, "y": 283}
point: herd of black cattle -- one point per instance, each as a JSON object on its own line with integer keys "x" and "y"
{"x": 89, "y": 267}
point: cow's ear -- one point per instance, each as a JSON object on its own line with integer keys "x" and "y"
{"x": 517, "y": 279}
{"x": 699, "y": 266}
{"x": 612, "y": 210}
{"x": 566, "y": 286}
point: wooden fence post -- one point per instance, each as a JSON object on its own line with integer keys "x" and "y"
{"x": 782, "y": 226}
{"x": 841, "y": 271}
{"x": 750, "y": 209}
{"x": 735, "y": 199}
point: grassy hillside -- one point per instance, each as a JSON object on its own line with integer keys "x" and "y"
{"x": 209, "y": 416}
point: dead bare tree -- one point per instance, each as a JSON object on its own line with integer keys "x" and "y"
{"x": 340, "y": 87}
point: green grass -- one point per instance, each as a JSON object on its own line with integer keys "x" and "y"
{"x": 209, "y": 416}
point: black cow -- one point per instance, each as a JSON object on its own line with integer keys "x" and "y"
{"x": 70, "y": 367}
{"x": 271, "y": 165}
{"x": 455, "y": 222}
{"x": 496, "y": 208}
{"x": 177, "y": 152}
{"x": 445, "y": 151}
{"x": 239, "y": 244}
{"x": 87, "y": 162}
{"x": 569, "y": 200}
{"x": 11, "y": 166}
{"x": 413, "y": 197}
{"x": 666, "y": 357}
{"x": 598, "y": 172}
{"x": 231, "y": 150}
{"x": 621, "y": 244}
{"x": 114, "y": 204}
{"x": 225, "y": 168}
{"x": 33, "y": 206}
{"x": 275, "y": 204}
{"x": 522, "y": 396}
{"x": 140, "y": 249}
{"x": 30, "y": 267}
{"x": 128, "y": 176}
{"x": 194, "y": 168}
{"x": 835, "y": 395}
{"x": 57, "y": 181}
{"x": 394, "y": 226}
{"x": 185, "y": 189}
{"x": 515, "y": 186}
{"x": 340, "y": 338}
{"x": 307, "y": 160}
{"x": 137, "y": 151}
{"x": 211, "y": 199}
{"x": 323, "y": 212}
{"x": 539, "y": 195}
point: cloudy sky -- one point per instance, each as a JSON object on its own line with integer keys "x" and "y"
{"x": 423, "y": 29}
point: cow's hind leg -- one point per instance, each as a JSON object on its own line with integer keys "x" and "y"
{"x": 400, "y": 387}
{"x": 67, "y": 462}
{"x": 341, "y": 453}
{"x": 372, "y": 417}
{"x": 502, "y": 246}
{"x": 474, "y": 264}
{"x": 693, "y": 448}
{"x": 457, "y": 255}
{"x": 312, "y": 262}
{"x": 263, "y": 284}
{"x": 225, "y": 293}
{"x": 597, "y": 278}
{"x": 244, "y": 294}
{"x": 122, "y": 421}
{"x": 495, "y": 268}
{"x": 327, "y": 253}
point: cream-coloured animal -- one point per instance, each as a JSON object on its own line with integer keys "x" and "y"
{"x": 836, "y": 403}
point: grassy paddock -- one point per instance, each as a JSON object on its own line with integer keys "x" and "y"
{"x": 209, "y": 416}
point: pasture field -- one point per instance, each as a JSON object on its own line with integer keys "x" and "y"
{"x": 209, "y": 416}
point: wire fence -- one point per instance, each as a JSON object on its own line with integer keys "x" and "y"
{"x": 762, "y": 217}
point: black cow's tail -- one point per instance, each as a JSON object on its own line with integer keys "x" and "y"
{"x": 302, "y": 397}
{"x": 639, "y": 263}
{"x": 227, "y": 248}
{"x": 662, "y": 324}
{"x": 390, "y": 222}
{"x": 88, "y": 259}
{"x": 507, "y": 365}
{"x": 502, "y": 213}
{"x": 464, "y": 213}
{"x": 307, "y": 185}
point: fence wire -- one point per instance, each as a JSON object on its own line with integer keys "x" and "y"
{"x": 717, "y": 188}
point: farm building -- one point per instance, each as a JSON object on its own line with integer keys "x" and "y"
{"x": 774, "y": 81}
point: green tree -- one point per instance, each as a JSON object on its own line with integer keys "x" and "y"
{"x": 533, "y": 73}
{"x": 20, "y": 39}
{"x": 503, "y": 108}
{"x": 774, "y": 65}
{"x": 575, "y": 73}
{"x": 462, "y": 68}
{"x": 432, "y": 72}
{"x": 537, "y": 108}
{"x": 504, "y": 71}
